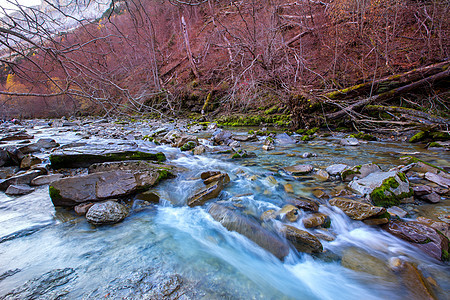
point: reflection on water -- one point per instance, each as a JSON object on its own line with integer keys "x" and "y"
{"x": 171, "y": 250}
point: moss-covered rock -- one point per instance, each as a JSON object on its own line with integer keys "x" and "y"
{"x": 364, "y": 136}
{"x": 188, "y": 146}
{"x": 75, "y": 160}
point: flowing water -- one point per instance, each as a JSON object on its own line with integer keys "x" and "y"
{"x": 171, "y": 250}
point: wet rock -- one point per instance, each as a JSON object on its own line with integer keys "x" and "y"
{"x": 268, "y": 147}
{"x": 420, "y": 235}
{"x": 50, "y": 285}
{"x": 6, "y": 172}
{"x": 322, "y": 175}
{"x": 317, "y": 220}
{"x": 188, "y": 146}
{"x": 302, "y": 240}
{"x": 75, "y": 160}
{"x": 185, "y": 139}
{"x": 4, "y": 157}
{"x": 376, "y": 221}
{"x": 288, "y": 212}
{"x": 305, "y": 204}
{"x": 207, "y": 174}
{"x": 383, "y": 188}
{"x": 71, "y": 191}
{"x": 320, "y": 193}
{"x": 235, "y": 144}
{"x": 349, "y": 142}
{"x": 397, "y": 211}
{"x": 108, "y": 212}
{"x": 219, "y": 177}
{"x": 412, "y": 278}
{"x": 443, "y": 227}
{"x": 29, "y": 160}
{"x": 234, "y": 221}
{"x": 211, "y": 191}
{"x": 212, "y": 126}
{"x": 242, "y": 154}
{"x": 245, "y": 138}
{"x": 359, "y": 172}
{"x": 148, "y": 196}
{"x": 129, "y": 165}
{"x": 22, "y": 178}
{"x": 359, "y": 260}
{"x": 288, "y": 188}
{"x": 199, "y": 150}
{"x": 45, "y": 143}
{"x": 18, "y": 189}
{"x": 268, "y": 215}
{"x": 222, "y": 137}
{"x": 15, "y": 156}
{"x": 22, "y": 135}
{"x": 284, "y": 139}
{"x": 9, "y": 273}
{"x": 432, "y": 198}
{"x": 298, "y": 169}
{"x": 356, "y": 210}
{"x": 46, "y": 179}
{"x": 308, "y": 155}
{"x": 422, "y": 190}
{"x": 82, "y": 209}
{"x": 440, "y": 180}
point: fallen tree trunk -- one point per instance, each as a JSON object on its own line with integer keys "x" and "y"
{"x": 390, "y": 94}
{"x": 407, "y": 112}
{"x": 388, "y": 83}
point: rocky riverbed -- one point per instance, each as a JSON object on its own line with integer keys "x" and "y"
{"x": 147, "y": 209}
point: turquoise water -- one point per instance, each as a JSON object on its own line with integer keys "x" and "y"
{"x": 52, "y": 253}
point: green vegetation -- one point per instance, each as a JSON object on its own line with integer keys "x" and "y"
{"x": 188, "y": 146}
{"x": 383, "y": 195}
{"x": 435, "y": 145}
{"x": 254, "y": 120}
{"x": 420, "y": 136}
{"x": 412, "y": 159}
{"x": 364, "y": 136}
{"x": 55, "y": 194}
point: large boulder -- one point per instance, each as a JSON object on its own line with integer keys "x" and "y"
{"x": 356, "y": 210}
{"x": 71, "y": 191}
{"x": 222, "y": 137}
{"x": 317, "y": 220}
{"x": 128, "y": 165}
{"x": 424, "y": 237}
{"x": 77, "y": 160}
{"x": 108, "y": 212}
{"x": 211, "y": 191}
{"x": 302, "y": 240}
{"x": 235, "y": 221}
{"x": 384, "y": 188}
{"x": 336, "y": 169}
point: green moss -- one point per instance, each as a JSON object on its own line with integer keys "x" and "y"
{"x": 254, "y": 120}
{"x": 445, "y": 255}
{"x": 306, "y": 138}
{"x": 435, "y": 145}
{"x": 55, "y": 194}
{"x": 364, "y": 136}
{"x": 84, "y": 160}
{"x": 383, "y": 195}
{"x": 420, "y": 136}
{"x": 251, "y": 132}
{"x": 271, "y": 110}
{"x": 300, "y": 131}
{"x": 164, "y": 174}
{"x": 402, "y": 177}
{"x": 188, "y": 146}
{"x": 440, "y": 136}
{"x": 312, "y": 131}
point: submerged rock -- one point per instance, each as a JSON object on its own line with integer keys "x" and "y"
{"x": 108, "y": 212}
{"x": 356, "y": 210}
{"x": 384, "y": 188}
{"x": 422, "y": 236}
{"x": 234, "y": 221}
{"x": 302, "y": 240}
{"x": 75, "y": 160}
{"x": 298, "y": 169}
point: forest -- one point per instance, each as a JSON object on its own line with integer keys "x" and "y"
{"x": 296, "y": 64}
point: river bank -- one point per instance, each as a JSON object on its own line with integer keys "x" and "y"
{"x": 302, "y": 191}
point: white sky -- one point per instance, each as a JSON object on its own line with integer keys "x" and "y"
{"x": 7, "y": 3}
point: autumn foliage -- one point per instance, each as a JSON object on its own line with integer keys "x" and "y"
{"x": 246, "y": 54}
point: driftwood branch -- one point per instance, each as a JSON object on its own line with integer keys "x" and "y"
{"x": 391, "y": 94}
{"x": 407, "y": 112}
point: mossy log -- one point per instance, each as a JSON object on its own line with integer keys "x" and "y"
{"x": 391, "y": 93}
{"x": 385, "y": 84}
{"x": 407, "y": 112}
